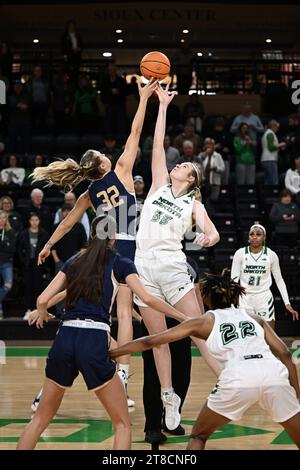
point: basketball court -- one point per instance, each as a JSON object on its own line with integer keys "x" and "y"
{"x": 83, "y": 424}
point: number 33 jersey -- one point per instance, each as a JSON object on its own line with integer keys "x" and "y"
{"x": 164, "y": 220}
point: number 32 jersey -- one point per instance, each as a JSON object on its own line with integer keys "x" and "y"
{"x": 109, "y": 194}
{"x": 254, "y": 270}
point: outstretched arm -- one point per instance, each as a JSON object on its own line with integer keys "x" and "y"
{"x": 56, "y": 285}
{"x": 275, "y": 269}
{"x": 82, "y": 204}
{"x": 126, "y": 161}
{"x": 190, "y": 327}
{"x": 137, "y": 287}
{"x": 236, "y": 266}
{"x": 160, "y": 175}
{"x": 210, "y": 235}
{"x": 34, "y": 315}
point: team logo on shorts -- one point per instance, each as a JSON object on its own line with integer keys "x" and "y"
{"x": 262, "y": 314}
{"x": 215, "y": 389}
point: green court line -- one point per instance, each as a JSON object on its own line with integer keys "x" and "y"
{"x": 28, "y": 351}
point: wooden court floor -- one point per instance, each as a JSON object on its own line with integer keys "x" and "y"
{"x": 83, "y": 424}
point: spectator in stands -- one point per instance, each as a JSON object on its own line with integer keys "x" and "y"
{"x": 292, "y": 179}
{"x": 86, "y": 106}
{"x": 188, "y": 153}
{"x": 62, "y": 102}
{"x": 70, "y": 200}
{"x": 71, "y": 47}
{"x": 147, "y": 147}
{"x": 6, "y": 60}
{"x": 270, "y": 148}
{"x": 71, "y": 243}
{"x": 174, "y": 120}
{"x": 133, "y": 88}
{"x": 222, "y": 141}
{"x": 14, "y": 218}
{"x": 4, "y": 78}
{"x": 36, "y": 206}
{"x": 110, "y": 148}
{"x": 254, "y": 123}
{"x": 19, "y": 118}
{"x": 113, "y": 94}
{"x": 142, "y": 168}
{"x": 183, "y": 67}
{"x": 13, "y": 175}
{"x": 172, "y": 154}
{"x": 244, "y": 148}
{"x": 292, "y": 139}
{"x": 7, "y": 250}
{"x": 139, "y": 187}
{"x": 36, "y": 161}
{"x": 285, "y": 215}
{"x": 188, "y": 134}
{"x": 39, "y": 96}
{"x": 213, "y": 167}
{"x": 29, "y": 243}
{"x": 193, "y": 113}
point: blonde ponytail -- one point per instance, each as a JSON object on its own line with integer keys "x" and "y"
{"x": 65, "y": 173}
{"x": 68, "y": 173}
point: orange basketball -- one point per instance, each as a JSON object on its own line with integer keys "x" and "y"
{"x": 155, "y": 64}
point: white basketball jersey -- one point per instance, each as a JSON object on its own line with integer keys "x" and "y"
{"x": 236, "y": 336}
{"x": 254, "y": 270}
{"x": 164, "y": 220}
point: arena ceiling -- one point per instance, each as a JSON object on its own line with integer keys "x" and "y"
{"x": 152, "y": 25}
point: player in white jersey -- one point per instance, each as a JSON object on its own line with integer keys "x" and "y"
{"x": 253, "y": 266}
{"x": 169, "y": 211}
{"x": 251, "y": 373}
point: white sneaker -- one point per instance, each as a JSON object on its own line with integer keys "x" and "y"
{"x": 171, "y": 403}
{"x": 124, "y": 377}
{"x": 26, "y": 316}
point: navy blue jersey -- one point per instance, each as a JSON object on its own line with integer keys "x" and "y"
{"x": 110, "y": 194}
{"x": 116, "y": 270}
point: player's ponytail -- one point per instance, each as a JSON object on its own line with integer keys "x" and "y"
{"x": 85, "y": 276}
{"x": 69, "y": 173}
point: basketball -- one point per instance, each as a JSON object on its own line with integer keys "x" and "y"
{"x": 155, "y": 64}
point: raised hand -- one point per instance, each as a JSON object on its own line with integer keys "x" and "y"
{"x": 165, "y": 97}
{"x": 147, "y": 90}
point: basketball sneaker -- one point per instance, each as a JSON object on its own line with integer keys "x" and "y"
{"x": 124, "y": 377}
{"x": 171, "y": 403}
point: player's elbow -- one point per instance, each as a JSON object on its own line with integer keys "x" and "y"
{"x": 41, "y": 301}
{"x": 146, "y": 343}
{"x": 284, "y": 354}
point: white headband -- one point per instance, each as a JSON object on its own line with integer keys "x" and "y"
{"x": 258, "y": 226}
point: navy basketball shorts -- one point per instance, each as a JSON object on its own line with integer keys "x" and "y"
{"x": 81, "y": 350}
{"x": 126, "y": 248}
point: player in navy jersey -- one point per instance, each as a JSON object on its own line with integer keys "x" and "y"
{"x": 111, "y": 191}
{"x": 91, "y": 280}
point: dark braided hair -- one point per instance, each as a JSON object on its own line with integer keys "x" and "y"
{"x": 220, "y": 290}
